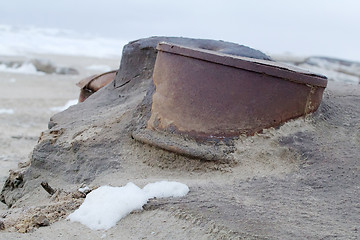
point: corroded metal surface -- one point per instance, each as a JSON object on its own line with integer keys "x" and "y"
{"x": 209, "y": 95}
{"x": 93, "y": 83}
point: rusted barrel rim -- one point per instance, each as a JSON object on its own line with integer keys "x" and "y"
{"x": 188, "y": 80}
{"x": 270, "y": 68}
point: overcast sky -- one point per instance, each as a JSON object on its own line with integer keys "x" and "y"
{"x": 302, "y": 27}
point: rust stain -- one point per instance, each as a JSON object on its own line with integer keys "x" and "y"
{"x": 309, "y": 107}
{"x": 205, "y": 95}
{"x": 93, "y": 83}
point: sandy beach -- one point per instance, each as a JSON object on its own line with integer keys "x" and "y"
{"x": 279, "y": 189}
{"x": 31, "y": 98}
{"x": 179, "y": 120}
{"x": 223, "y": 120}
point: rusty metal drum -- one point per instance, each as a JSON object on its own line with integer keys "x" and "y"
{"x": 205, "y": 94}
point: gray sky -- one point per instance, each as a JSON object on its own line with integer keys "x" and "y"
{"x": 302, "y": 27}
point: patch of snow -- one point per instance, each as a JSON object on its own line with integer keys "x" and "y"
{"x": 6, "y": 111}
{"x": 165, "y": 189}
{"x": 66, "y": 106}
{"x": 106, "y": 205}
{"x": 99, "y": 68}
{"x": 84, "y": 189}
{"x": 26, "y": 68}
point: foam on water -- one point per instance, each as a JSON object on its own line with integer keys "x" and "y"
{"x": 32, "y": 40}
{"x": 26, "y": 68}
{"x": 6, "y": 111}
{"x": 66, "y": 106}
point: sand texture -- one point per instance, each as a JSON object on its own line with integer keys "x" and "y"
{"x": 298, "y": 181}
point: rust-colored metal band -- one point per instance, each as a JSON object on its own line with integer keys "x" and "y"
{"x": 278, "y": 70}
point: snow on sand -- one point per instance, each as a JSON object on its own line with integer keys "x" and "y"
{"x": 105, "y": 206}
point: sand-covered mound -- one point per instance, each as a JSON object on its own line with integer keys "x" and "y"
{"x": 297, "y": 181}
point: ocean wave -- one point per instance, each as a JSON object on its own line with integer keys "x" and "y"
{"x": 26, "y": 68}
{"x": 17, "y": 41}
{"x": 66, "y": 106}
{"x": 6, "y": 111}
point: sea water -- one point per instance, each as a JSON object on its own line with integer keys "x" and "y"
{"x": 33, "y": 40}
{"x": 27, "y": 96}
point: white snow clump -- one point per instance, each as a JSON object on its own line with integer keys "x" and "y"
{"x": 106, "y": 205}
